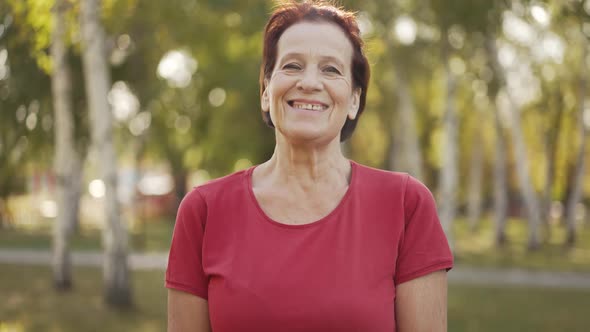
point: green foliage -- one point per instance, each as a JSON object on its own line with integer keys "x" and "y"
{"x": 36, "y": 15}
{"x": 25, "y": 117}
{"x": 229, "y": 62}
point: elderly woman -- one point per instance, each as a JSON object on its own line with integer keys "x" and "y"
{"x": 309, "y": 240}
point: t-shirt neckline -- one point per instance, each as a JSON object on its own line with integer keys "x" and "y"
{"x": 329, "y": 216}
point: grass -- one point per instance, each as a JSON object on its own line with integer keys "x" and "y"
{"x": 30, "y": 305}
{"x": 479, "y": 309}
{"x": 478, "y": 248}
{"x": 152, "y": 236}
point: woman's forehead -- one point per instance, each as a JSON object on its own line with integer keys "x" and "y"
{"x": 317, "y": 39}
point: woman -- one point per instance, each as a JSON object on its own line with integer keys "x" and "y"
{"x": 309, "y": 241}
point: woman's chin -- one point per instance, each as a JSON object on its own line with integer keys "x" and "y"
{"x": 307, "y": 134}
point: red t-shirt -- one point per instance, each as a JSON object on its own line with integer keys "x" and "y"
{"x": 336, "y": 274}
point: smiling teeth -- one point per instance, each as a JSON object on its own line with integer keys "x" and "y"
{"x": 311, "y": 107}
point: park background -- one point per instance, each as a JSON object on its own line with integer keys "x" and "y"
{"x": 111, "y": 110}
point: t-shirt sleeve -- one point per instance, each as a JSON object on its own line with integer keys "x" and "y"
{"x": 185, "y": 265}
{"x": 423, "y": 247}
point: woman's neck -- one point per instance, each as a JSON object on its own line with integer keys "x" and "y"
{"x": 307, "y": 165}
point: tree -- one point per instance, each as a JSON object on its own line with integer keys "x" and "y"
{"x": 576, "y": 191}
{"x": 67, "y": 164}
{"x": 500, "y": 171}
{"x": 97, "y": 78}
{"x": 186, "y": 130}
{"x": 574, "y": 15}
{"x": 404, "y": 153}
{"x": 475, "y": 175}
{"x": 453, "y": 18}
{"x": 448, "y": 179}
{"x": 554, "y": 127}
{"x": 522, "y": 165}
{"x": 25, "y": 119}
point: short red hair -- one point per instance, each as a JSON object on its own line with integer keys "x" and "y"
{"x": 290, "y": 13}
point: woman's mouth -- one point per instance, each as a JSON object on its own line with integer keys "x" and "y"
{"x": 307, "y": 106}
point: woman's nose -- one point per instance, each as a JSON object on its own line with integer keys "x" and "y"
{"x": 310, "y": 81}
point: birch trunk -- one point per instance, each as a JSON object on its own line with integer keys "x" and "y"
{"x": 475, "y": 178}
{"x": 75, "y": 192}
{"x": 522, "y": 167}
{"x": 405, "y": 153}
{"x": 448, "y": 177}
{"x": 66, "y": 160}
{"x": 577, "y": 184}
{"x": 500, "y": 187}
{"x": 4, "y": 215}
{"x": 96, "y": 73}
{"x": 551, "y": 148}
{"x": 527, "y": 190}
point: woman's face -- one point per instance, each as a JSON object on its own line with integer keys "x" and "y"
{"x": 310, "y": 93}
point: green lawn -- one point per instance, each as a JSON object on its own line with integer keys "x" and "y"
{"x": 151, "y": 236}
{"x": 481, "y": 309}
{"x": 478, "y": 248}
{"x": 29, "y": 304}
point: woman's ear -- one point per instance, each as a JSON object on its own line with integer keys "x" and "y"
{"x": 355, "y": 103}
{"x": 264, "y": 100}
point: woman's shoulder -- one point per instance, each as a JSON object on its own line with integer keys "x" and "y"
{"x": 225, "y": 185}
{"x": 409, "y": 186}
{"x": 371, "y": 176}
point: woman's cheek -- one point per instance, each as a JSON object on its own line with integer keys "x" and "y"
{"x": 283, "y": 82}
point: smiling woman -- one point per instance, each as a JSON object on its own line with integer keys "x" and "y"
{"x": 310, "y": 93}
{"x": 346, "y": 38}
{"x": 309, "y": 240}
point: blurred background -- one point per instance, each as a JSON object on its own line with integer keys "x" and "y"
{"x": 111, "y": 110}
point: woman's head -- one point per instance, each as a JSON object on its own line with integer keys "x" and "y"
{"x": 333, "y": 34}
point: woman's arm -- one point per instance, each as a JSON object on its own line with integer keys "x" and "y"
{"x": 421, "y": 304}
{"x": 187, "y": 312}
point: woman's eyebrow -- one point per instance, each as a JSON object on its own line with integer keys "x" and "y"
{"x": 324, "y": 58}
{"x": 333, "y": 59}
{"x": 291, "y": 55}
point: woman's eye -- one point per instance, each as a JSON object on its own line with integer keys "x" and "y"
{"x": 292, "y": 66}
{"x": 331, "y": 69}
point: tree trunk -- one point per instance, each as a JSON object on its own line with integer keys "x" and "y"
{"x": 500, "y": 190}
{"x": 475, "y": 177}
{"x": 96, "y": 73}
{"x": 4, "y": 214}
{"x": 405, "y": 153}
{"x": 522, "y": 168}
{"x": 180, "y": 179}
{"x": 66, "y": 160}
{"x": 448, "y": 178}
{"x": 577, "y": 184}
{"x": 551, "y": 149}
{"x": 500, "y": 187}
{"x": 75, "y": 193}
{"x": 527, "y": 189}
